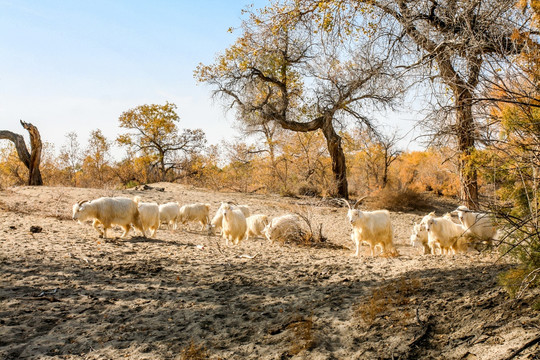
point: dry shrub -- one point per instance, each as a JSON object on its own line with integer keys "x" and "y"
{"x": 297, "y": 227}
{"x": 386, "y": 299}
{"x": 314, "y": 234}
{"x": 287, "y": 192}
{"x": 400, "y": 200}
{"x": 307, "y": 189}
{"x": 516, "y": 281}
{"x": 290, "y": 229}
{"x": 194, "y": 352}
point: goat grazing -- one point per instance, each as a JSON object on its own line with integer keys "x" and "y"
{"x": 444, "y": 233}
{"x": 195, "y": 212}
{"x": 168, "y": 213}
{"x": 286, "y": 228}
{"x": 256, "y": 225}
{"x": 478, "y": 226}
{"x": 108, "y": 211}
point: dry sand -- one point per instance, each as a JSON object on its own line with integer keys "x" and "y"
{"x": 66, "y": 294}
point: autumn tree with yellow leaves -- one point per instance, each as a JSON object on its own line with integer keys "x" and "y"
{"x": 450, "y": 45}
{"x": 154, "y": 135}
{"x": 302, "y": 80}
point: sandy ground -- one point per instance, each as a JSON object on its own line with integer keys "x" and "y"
{"x": 66, "y": 294}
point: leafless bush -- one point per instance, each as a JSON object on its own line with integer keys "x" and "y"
{"x": 400, "y": 200}
{"x": 314, "y": 234}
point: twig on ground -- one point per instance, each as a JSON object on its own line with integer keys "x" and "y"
{"x": 248, "y": 256}
{"x": 219, "y": 248}
{"x": 50, "y": 292}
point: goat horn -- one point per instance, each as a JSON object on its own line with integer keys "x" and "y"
{"x": 343, "y": 201}
{"x": 359, "y": 201}
{"x": 82, "y": 202}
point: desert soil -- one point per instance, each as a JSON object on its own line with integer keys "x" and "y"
{"x": 67, "y": 294}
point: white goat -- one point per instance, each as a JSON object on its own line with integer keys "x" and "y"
{"x": 108, "y": 211}
{"x": 285, "y": 228}
{"x": 478, "y": 226}
{"x": 149, "y": 214}
{"x": 419, "y": 235}
{"x": 234, "y": 224}
{"x": 444, "y": 233}
{"x": 169, "y": 213}
{"x": 195, "y": 212}
{"x": 371, "y": 227}
{"x": 217, "y": 220}
{"x": 256, "y": 225}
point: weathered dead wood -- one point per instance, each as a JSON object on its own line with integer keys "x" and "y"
{"x": 20, "y": 145}
{"x": 34, "y": 178}
{"x": 30, "y": 159}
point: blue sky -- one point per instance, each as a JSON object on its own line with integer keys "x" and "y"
{"x": 77, "y": 65}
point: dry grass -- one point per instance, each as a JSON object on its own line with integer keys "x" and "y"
{"x": 194, "y": 352}
{"x": 58, "y": 211}
{"x": 303, "y": 338}
{"x": 16, "y": 208}
{"x": 388, "y": 300}
{"x": 513, "y": 280}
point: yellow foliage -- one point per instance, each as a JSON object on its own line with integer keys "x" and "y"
{"x": 428, "y": 170}
{"x": 12, "y": 170}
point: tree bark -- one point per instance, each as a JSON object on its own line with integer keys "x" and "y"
{"x": 30, "y": 159}
{"x": 339, "y": 166}
{"x": 465, "y": 135}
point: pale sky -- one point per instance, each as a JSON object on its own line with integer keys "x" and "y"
{"x": 77, "y": 65}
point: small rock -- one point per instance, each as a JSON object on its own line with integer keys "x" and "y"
{"x": 35, "y": 229}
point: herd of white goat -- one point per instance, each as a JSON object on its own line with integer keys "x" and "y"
{"x": 436, "y": 235}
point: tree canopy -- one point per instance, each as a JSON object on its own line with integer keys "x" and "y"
{"x": 303, "y": 80}
{"x": 155, "y": 134}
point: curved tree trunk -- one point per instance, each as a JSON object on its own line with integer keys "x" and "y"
{"x": 333, "y": 141}
{"x": 339, "y": 166}
{"x": 30, "y": 159}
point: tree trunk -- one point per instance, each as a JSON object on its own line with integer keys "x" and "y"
{"x": 30, "y": 159}
{"x": 465, "y": 136}
{"x": 339, "y": 166}
{"x": 385, "y": 169}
